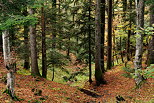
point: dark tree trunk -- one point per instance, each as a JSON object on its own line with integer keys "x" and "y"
{"x": 109, "y": 49}
{"x": 124, "y": 8}
{"x": 53, "y": 73}
{"x": 89, "y": 41}
{"x": 129, "y": 31}
{"x": 54, "y": 22}
{"x": 151, "y": 44}
{"x": 34, "y": 61}
{"x": 98, "y": 71}
{"x": 26, "y": 40}
{"x": 1, "y": 45}
{"x": 44, "y": 63}
{"x": 102, "y": 33}
{"x": 121, "y": 52}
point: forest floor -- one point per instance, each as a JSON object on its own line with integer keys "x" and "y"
{"x": 26, "y": 87}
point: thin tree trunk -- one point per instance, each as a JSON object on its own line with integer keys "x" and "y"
{"x": 151, "y": 44}
{"x": 102, "y": 33}
{"x": 114, "y": 47}
{"x": 89, "y": 41}
{"x": 8, "y": 63}
{"x": 109, "y": 49}
{"x": 129, "y": 31}
{"x": 34, "y": 62}
{"x": 44, "y": 63}
{"x": 1, "y": 47}
{"x": 121, "y": 52}
{"x": 139, "y": 40}
{"x": 6, "y": 47}
{"x": 26, "y": 40}
{"x": 54, "y": 28}
{"x": 53, "y": 73}
{"x": 124, "y": 8}
{"x": 98, "y": 71}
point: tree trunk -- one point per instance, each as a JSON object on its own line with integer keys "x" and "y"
{"x": 34, "y": 62}
{"x": 102, "y": 33}
{"x": 89, "y": 41}
{"x": 26, "y": 40}
{"x": 98, "y": 71}
{"x": 6, "y": 47}
{"x": 121, "y": 52}
{"x": 124, "y": 8}
{"x": 44, "y": 61}
{"x": 53, "y": 73}
{"x": 54, "y": 28}
{"x": 139, "y": 40}
{"x": 151, "y": 44}
{"x": 129, "y": 31}
{"x": 1, "y": 47}
{"x": 109, "y": 49}
{"x": 8, "y": 63}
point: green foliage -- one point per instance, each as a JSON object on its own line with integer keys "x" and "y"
{"x": 14, "y": 20}
{"x": 146, "y": 73}
{"x": 149, "y": 72}
{"x": 149, "y": 30}
{"x": 24, "y": 72}
{"x": 128, "y": 71}
{"x": 56, "y": 58}
{"x": 149, "y": 2}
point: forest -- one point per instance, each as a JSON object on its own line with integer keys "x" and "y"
{"x": 76, "y": 51}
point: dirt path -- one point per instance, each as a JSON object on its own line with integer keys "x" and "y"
{"x": 53, "y": 92}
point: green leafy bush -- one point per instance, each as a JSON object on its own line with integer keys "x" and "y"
{"x": 146, "y": 73}
{"x": 149, "y": 72}
{"x": 128, "y": 71}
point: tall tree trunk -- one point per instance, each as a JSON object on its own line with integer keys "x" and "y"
{"x": 102, "y": 33}
{"x": 44, "y": 61}
{"x": 8, "y": 63}
{"x": 99, "y": 76}
{"x": 54, "y": 20}
{"x": 139, "y": 40}
{"x": 129, "y": 31}
{"x": 53, "y": 73}
{"x": 26, "y": 40}
{"x": 1, "y": 47}
{"x": 34, "y": 62}
{"x": 124, "y": 8}
{"x": 109, "y": 49}
{"x": 89, "y": 41}
{"x": 151, "y": 44}
{"x": 121, "y": 52}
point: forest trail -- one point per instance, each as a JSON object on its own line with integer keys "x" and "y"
{"x": 27, "y": 86}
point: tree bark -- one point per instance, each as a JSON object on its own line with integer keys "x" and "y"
{"x": 102, "y": 33}
{"x": 129, "y": 31}
{"x": 98, "y": 71}
{"x": 34, "y": 62}
{"x": 8, "y": 63}
{"x": 109, "y": 49}
{"x": 26, "y": 40}
{"x": 54, "y": 20}
{"x": 44, "y": 61}
{"x": 89, "y": 41}
{"x": 1, "y": 47}
{"x": 151, "y": 44}
{"x": 6, "y": 47}
{"x": 139, "y": 40}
